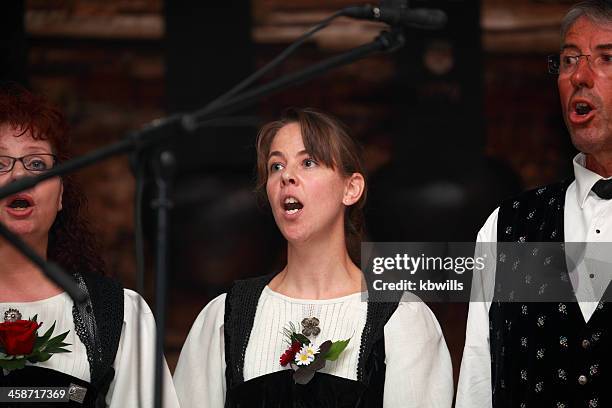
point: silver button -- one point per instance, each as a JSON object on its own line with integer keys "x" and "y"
{"x": 586, "y": 344}
{"x": 582, "y": 380}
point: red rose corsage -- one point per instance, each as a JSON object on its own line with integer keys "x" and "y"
{"x": 20, "y": 342}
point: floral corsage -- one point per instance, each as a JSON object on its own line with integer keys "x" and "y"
{"x": 20, "y": 342}
{"x": 305, "y": 357}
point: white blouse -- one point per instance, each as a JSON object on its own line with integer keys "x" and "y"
{"x": 123, "y": 390}
{"x": 418, "y": 371}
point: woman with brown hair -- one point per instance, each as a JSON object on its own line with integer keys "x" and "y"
{"x": 91, "y": 348}
{"x": 303, "y": 337}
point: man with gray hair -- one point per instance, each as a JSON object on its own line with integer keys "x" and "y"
{"x": 556, "y": 354}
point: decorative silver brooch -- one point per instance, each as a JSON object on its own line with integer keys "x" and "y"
{"x": 12, "y": 315}
{"x": 310, "y": 326}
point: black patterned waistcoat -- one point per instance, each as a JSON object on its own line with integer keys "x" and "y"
{"x": 543, "y": 354}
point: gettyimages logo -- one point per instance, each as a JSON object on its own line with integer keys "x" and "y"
{"x": 434, "y": 271}
{"x": 488, "y": 271}
{"x": 411, "y": 264}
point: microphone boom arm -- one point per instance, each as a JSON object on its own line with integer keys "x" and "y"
{"x": 385, "y": 41}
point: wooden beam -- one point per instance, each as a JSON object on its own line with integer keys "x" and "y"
{"x": 526, "y": 27}
{"x": 41, "y": 23}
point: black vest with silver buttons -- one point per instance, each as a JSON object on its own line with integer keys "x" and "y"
{"x": 543, "y": 354}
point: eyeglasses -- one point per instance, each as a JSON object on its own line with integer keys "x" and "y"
{"x": 566, "y": 63}
{"x": 37, "y": 163}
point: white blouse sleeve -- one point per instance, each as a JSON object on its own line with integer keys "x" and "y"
{"x": 124, "y": 389}
{"x": 419, "y": 371}
{"x": 200, "y": 373}
{"x": 474, "y": 388}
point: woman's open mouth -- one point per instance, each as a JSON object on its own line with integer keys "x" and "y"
{"x": 292, "y": 205}
{"x": 20, "y": 205}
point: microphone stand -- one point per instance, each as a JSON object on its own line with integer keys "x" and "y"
{"x": 164, "y": 164}
{"x": 179, "y": 125}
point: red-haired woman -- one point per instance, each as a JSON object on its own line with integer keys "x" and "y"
{"x": 244, "y": 351}
{"x": 99, "y": 364}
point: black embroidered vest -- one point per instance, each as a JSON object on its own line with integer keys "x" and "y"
{"x": 543, "y": 354}
{"x": 278, "y": 390}
{"x": 98, "y": 323}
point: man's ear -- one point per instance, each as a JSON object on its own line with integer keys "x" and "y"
{"x": 353, "y": 189}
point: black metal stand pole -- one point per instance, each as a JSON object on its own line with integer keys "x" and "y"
{"x": 164, "y": 165}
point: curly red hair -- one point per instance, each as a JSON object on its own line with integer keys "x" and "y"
{"x": 72, "y": 243}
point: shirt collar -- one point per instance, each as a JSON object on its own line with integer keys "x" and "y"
{"x": 585, "y": 178}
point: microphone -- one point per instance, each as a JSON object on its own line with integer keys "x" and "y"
{"x": 429, "y": 19}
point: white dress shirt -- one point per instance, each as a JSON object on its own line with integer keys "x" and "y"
{"x": 418, "y": 366}
{"x": 587, "y": 218}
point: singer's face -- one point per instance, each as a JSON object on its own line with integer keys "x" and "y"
{"x": 586, "y": 93}
{"x": 306, "y": 197}
{"x": 29, "y": 213}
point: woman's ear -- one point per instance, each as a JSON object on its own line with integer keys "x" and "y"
{"x": 353, "y": 189}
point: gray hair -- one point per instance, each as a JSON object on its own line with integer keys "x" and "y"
{"x": 598, "y": 11}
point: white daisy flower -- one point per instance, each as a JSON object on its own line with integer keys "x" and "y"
{"x": 311, "y": 349}
{"x": 303, "y": 357}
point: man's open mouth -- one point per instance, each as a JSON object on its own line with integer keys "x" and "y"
{"x": 583, "y": 108}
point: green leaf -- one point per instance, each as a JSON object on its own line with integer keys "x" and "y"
{"x": 301, "y": 338}
{"x": 64, "y": 344}
{"x": 45, "y": 337}
{"x": 56, "y": 347}
{"x": 287, "y": 333}
{"x": 13, "y": 364}
{"x": 60, "y": 350}
{"x": 57, "y": 341}
{"x": 38, "y": 343}
{"x": 59, "y": 338}
{"x": 49, "y": 331}
{"x": 43, "y": 356}
{"x": 290, "y": 333}
{"x": 336, "y": 348}
{"x": 45, "y": 347}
